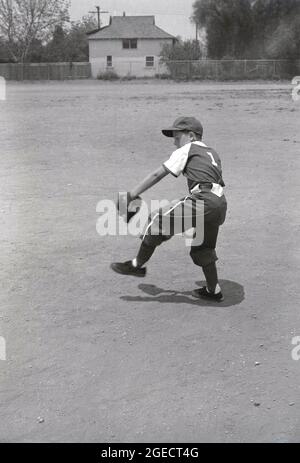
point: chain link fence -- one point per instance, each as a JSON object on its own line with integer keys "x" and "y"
{"x": 232, "y": 69}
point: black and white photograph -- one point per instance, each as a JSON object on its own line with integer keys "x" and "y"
{"x": 149, "y": 209}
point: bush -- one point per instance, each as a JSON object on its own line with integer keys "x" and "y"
{"x": 129, "y": 77}
{"x": 107, "y": 75}
{"x": 163, "y": 76}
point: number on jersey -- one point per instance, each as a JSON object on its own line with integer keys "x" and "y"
{"x": 212, "y": 159}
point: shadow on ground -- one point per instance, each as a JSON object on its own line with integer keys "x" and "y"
{"x": 233, "y": 295}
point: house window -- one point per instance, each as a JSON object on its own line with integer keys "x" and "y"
{"x": 149, "y": 61}
{"x": 109, "y": 61}
{"x": 130, "y": 43}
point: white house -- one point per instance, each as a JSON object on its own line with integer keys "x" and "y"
{"x": 129, "y": 45}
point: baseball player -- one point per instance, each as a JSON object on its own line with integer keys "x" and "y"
{"x": 201, "y": 166}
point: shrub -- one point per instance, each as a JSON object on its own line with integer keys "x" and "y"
{"x": 163, "y": 76}
{"x": 129, "y": 77}
{"x": 107, "y": 75}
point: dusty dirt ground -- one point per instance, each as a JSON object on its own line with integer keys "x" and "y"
{"x": 97, "y": 357}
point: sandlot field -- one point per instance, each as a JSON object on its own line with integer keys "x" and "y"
{"x": 92, "y": 356}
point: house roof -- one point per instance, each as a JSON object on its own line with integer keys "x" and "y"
{"x": 129, "y": 27}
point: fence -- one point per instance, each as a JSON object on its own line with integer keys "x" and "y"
{"x": 45, "y": 71}
{"x": 233, "y": 69}
{"x": 188, "y": 70}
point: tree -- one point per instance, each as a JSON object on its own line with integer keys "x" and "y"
{"x": 228, "y": 25}
{"x": 55, "y": 50}
{"x": 70, "y": 44}
{"x": 22, "y": 22}
{"x": 284, "y": 43}
{"x": 36, "y": 52}
{"x": 181, "y": 51}
{"x": 77, "y": 40}
{"x": 276, "y": 28}
{"x": 3, "y": 52}
{"x": 175, "y": 56}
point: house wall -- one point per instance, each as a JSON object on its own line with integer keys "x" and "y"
{"x": 126, "y": 61}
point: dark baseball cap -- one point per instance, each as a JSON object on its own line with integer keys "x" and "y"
{"x": 190, "y": 124}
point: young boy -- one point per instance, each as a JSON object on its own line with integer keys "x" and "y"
{"x": 201, "y": 166}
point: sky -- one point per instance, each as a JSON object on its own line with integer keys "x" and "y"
{"x": 170, "y": 15}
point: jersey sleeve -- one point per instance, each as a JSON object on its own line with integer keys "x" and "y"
{"x": 177, "y": 161}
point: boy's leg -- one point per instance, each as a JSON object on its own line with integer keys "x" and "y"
{"x": 211, "y": 277}
{"x": 155, "y": 235}
{"x": 167, "y": 222}
{"x": 205, "y": 257}
{"x": 144, "y": 254}
{"x": 135, "y": 267}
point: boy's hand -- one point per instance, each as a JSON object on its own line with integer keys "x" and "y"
{"x": 128, "y": 207}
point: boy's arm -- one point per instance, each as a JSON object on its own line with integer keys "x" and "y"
{"x": 148, "y": 182}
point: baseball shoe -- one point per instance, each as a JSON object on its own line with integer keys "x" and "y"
{"x": 126, "y": 268}
{"x": 203, "y": 293}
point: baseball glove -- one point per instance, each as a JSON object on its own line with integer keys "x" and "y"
{"x": 128, "y": 207}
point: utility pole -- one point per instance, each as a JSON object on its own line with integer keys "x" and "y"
{"x": 98, "y": 13}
